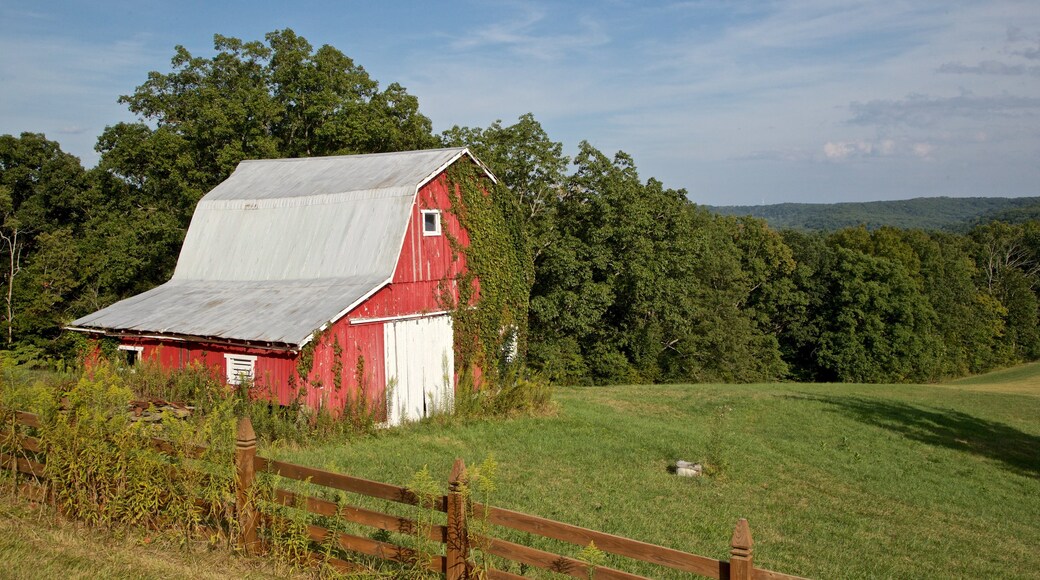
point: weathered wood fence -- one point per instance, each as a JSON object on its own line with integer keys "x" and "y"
{"x": 459, "y": 536}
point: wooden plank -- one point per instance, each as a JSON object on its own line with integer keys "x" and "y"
{"x": 245, "y": 473}
{"x": 359, "y": 515}
{"x": 547, "y": 560}
{"x": 357, "y": 485}
{"x": 457, "y": 532}
{"x": 23, "y": 441}
{"x": 25, "y": 418}
{"x": 370, "y": 547}
{"x": 264, "y": 547}
{"x": 31, "y": 444}
{"x": 635, "y": 549}
{"x": 21, "y": 464}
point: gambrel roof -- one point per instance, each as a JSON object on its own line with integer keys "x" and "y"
{"x": 283, "y": 247}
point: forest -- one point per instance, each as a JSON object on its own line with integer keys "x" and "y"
{"x": 630, "y": 281}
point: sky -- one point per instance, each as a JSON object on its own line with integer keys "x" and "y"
{"x": 739, "y": 103}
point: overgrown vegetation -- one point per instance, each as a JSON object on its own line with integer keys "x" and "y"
{"x": 634, "y": 283}
{"x": 103, "y": 467}
{"x": 490, "y": 315}
{"x": 35, "y": 544}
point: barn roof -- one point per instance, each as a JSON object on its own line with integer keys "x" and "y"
{"x": 283, "y": 247}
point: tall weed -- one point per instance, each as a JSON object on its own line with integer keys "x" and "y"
{"x": 514, "y": 393}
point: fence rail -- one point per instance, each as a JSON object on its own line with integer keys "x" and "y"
{"x": 458, "y": 538}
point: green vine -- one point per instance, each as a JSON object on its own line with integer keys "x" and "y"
{"x": 305, "y": 362}
{"x": 337, "y": 364}
{"x": 499, "y": 262}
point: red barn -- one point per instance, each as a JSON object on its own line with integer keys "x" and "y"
{"x": 330, "y": 267}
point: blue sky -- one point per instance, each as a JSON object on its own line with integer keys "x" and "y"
{"x": 737, "y": 102}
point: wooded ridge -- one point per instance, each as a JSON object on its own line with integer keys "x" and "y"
{"x": 927, "y": 213}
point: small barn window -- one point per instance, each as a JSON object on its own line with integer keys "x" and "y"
{"x": 239, "y": 368}
{"x": 431, "y": 222}
{"x": 131, "y": 354}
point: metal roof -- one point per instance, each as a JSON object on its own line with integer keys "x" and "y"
{"x": 283, "y": 247}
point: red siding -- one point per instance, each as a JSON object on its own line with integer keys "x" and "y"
{"x": 272, "y": 371}
{"x": 354, "y": 341}
{"x": 425, "y": 267}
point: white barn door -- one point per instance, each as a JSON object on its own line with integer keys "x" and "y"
{"x": 420, "y": 363}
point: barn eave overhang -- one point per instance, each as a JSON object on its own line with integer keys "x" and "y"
{"x": 175, "y": 337}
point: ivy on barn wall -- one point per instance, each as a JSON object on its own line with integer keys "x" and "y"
{"x": 490, "y": 317}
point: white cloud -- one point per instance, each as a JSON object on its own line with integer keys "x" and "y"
{"x": 846, "y": 149}
{"x": 920, "y": 110}
{"x": 989, "y": 67}
{"x": 864, "y": 149}
{"x": 923, "y": 150}
{"x": 523, "y": 35}
{"x": 1016, "y": 37}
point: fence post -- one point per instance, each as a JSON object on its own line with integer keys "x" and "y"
{"x": 245, "y": 455}
{"x": 457, "y": 563}
{"x": 741, "y": 564}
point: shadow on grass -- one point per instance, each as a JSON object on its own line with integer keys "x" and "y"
{"x": 1018, "y": 451}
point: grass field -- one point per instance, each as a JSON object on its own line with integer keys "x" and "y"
{"x": 837, "y": 481}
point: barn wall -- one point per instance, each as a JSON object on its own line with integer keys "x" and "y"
{"x": 425, "y": 268}
{"x": 426, "y": 264}
{"x": 355, "y": 343}
{"x": 272, "y": 370}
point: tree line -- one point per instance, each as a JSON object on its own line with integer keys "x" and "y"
{"x": 631, "y": 281}
{"x": 956, "y": 214}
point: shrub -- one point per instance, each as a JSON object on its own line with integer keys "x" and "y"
{"x": 510, "y": 395}
{"x": 102, "y": 467}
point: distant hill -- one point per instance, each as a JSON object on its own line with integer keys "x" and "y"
{"x": 928, "y": 213}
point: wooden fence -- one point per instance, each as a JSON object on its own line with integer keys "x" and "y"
{"x": 459, "y": 536}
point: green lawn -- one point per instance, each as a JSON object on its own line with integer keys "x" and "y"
{"x": 849, "y": 481}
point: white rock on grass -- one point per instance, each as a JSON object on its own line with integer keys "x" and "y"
{"x": 687, "y": 469}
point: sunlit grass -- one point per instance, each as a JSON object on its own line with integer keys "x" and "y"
{"x": 1023, "y": 379}
{"x": 850, "y": 481}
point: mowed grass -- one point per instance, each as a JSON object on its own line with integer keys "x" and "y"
{"x": 836, "y": 480}
{"x": 1023, "y": 379}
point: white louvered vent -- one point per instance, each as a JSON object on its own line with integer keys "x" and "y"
{"x": 239, "y": 368}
